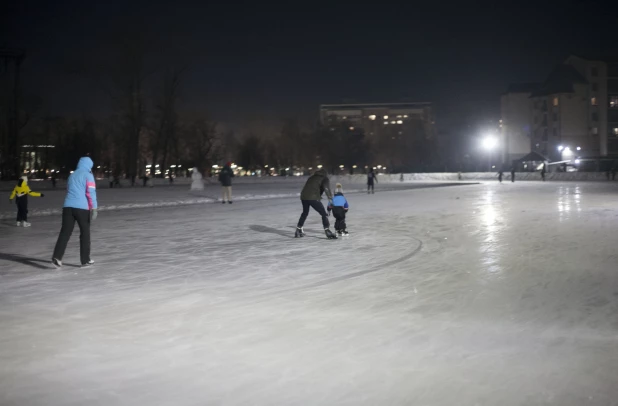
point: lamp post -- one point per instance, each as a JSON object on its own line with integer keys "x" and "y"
{"x": 489, "y": 143}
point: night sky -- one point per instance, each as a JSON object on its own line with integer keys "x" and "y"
{"x": 251, "y": 61}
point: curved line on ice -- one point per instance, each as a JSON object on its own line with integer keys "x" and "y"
{"x": 353, "y": 274}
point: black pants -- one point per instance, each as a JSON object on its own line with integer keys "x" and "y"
{"x": 339, "y": 213}
{"x": 69, "y": 217}
{"x": 317, "y": 206}
{"x": 370, "y": 187}
{"x": 22, "y": 208}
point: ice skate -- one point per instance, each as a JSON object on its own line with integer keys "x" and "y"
{"x": 344, "y": 233}
{"x": 87, "y": 264}
{"x": 299, "y": 232}
{"x": 223, "y": 201}
{"x": 19, "y": 224}
{"x": 329, "y": 234}
{"x": 230, "y": 202}
{"x": 57, "y": 263}
{"x": 26, "y": 224}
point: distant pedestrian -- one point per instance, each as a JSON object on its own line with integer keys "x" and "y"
{"x": 500, "y": 176}
{"x": 110, "y": 178}
{"x": 145, "y": 179}
{"x": 53, "y": 179}
{"x": 543, "y": 170}
{"x": 20, "y": 194}
{"x": 371, "y": 178}
{"x": 80, "y": 205}
{"x": 512, "y": 174}
{"x": 225, "y": 178}
{"x": 171, "y": 179}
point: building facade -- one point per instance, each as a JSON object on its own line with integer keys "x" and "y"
{"x": 379, "y": 118}
{"x": 575, "y": 111}
{"x": 516, "y": 121}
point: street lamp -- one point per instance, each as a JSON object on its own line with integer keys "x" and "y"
{"x": 489, "y": 143}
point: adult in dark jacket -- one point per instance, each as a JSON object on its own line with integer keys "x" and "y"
{"x": 371, "y": 178}
{"x": 316, "y": 185}
{"x": 225, "y": 177}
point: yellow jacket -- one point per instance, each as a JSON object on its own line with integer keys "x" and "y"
{"x": 22, "y": 190}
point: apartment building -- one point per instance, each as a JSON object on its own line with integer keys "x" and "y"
{"x": 575, "y": 111}
{"x": 379, "y": 118}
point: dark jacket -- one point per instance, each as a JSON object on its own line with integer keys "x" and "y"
{"x": 225, "y": 176}
{"x": 371, "y": 177}
{"x": 317, "y": 184}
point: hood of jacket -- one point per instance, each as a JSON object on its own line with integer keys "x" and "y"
{"x": 321, "y": 172}
{"x": 22, "y": 181}
{"x": 85, "y": 163}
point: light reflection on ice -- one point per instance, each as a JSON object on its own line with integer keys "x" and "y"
{"x": 490, "y": 217}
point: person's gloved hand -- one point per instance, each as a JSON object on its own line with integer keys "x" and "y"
{"x": 42, "y": 194}
{"x": 95, "y": 214}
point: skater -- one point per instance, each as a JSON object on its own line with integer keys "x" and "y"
{"x": 53, "y": 179}
{"x": 110, "y": 178}
{"x": 543, "y": 171}
{"x": 20, "y": 194}
{"x": 339, "y": 207}
{"x": 80, "y": 205}
{"x": 316, "y": 185}
{"x": 512, "y": 174}
{"x": 145, "y": 179}
{"x": 500, "y": 176}
{"x": 225, "y": 177}
{"x": 371, "y": 178}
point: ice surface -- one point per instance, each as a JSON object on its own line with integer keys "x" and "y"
{"x": 472, "y": 295}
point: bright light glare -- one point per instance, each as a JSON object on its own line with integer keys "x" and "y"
{"x": 399, "y": 122}
{"x": 567, "y": 149}
{"x": 579, "y": 148}
{"x": 385, "y": 117}
{"x": 319, "y": 166}
{"x": 372, "y": 117}
{"x": 577, "y": 161}
{"x": 560, "y": 147}
{"x": 489, "y": 142}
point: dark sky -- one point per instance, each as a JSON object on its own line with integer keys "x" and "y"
{"x": 250, "y": 61}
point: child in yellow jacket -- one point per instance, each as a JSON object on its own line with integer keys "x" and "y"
{"x": 20, "y": 194}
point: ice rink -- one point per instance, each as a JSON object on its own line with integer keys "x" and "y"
{"x": 488, "y": 294}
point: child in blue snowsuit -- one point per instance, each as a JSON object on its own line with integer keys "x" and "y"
{"x": 339, "y": 207}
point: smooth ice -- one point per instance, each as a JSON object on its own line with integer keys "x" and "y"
{"x": 470, "y": 295}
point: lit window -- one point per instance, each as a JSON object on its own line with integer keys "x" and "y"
{"x": 399, "y": 116}
{"x": 555, "y": 101}
{"x": 399, "y": 122}
{"x": 386, "y": 123}
{"x": 385, "y": 117}
{"x": 613, "y": 102}
{"x": 393, "y": 122}
{"x": 351, "y": 128}
{"x": 593, "y": 101}
{"x": 345, "y": 117}
{"x": 372, "y": 117}
{"x": 615, "y": 130}
{"x": 405, "y": 116}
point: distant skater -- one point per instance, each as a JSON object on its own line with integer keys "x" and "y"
{"x": 371, "y": 178}
{"x": 512, "y": 174}
{"x": 500, "y": 176}
{"x": 20, "y": 194}
{"x": 80, "y": 205}
{"x": 53, "y": 179}
{"x": 310, "y": 197}
{"x": 339, "y": 207}
{"x": 543, "y": 170}
{"x": 225, "y": 177}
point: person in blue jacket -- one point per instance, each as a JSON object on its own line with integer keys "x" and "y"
{"x": 340, "y": 207}
{"x": 80, "y": 205}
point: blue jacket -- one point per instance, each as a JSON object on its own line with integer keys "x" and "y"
{"x": 339, "y": 200}
{"x": 81, "y": 187}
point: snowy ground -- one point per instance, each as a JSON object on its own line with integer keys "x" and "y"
{"x": 471, "y": 295}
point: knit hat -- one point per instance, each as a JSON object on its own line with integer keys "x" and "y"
{"x": 338, "y": 188}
